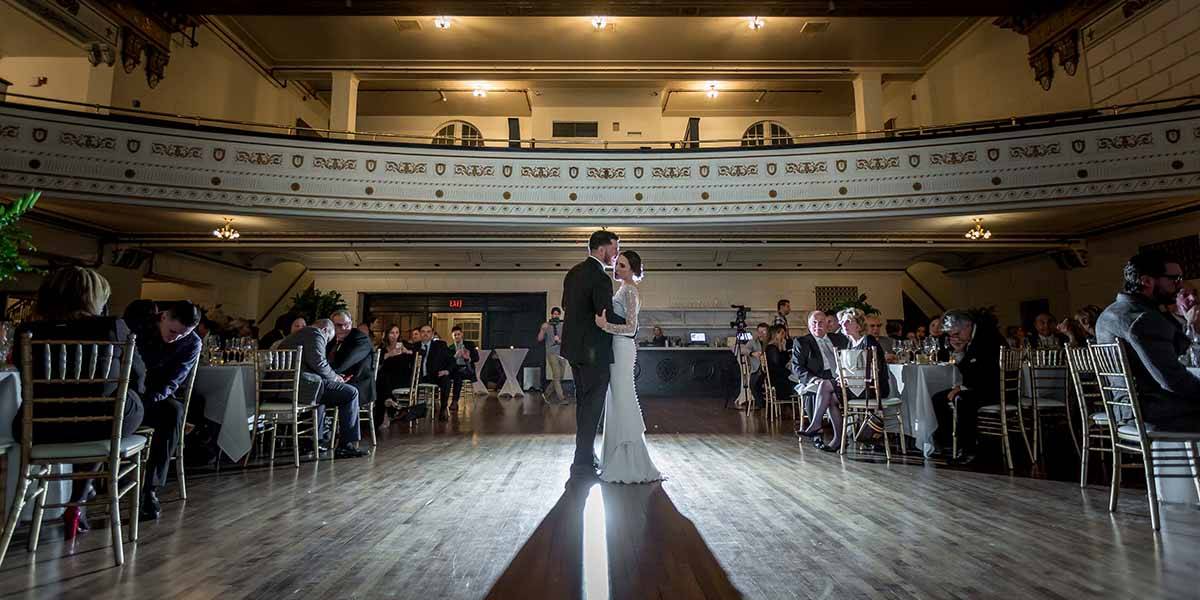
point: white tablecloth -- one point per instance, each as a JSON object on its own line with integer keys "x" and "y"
{"x": 10, "y": 405}
{"x": 479, "y": 387}
{"x": 228, "y": 392}
{"x": 511, "y": 359}
{"x": 916, "y": 385}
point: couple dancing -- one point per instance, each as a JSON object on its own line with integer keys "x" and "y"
{"x": 598, "y": 341}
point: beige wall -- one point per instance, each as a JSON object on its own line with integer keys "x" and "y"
{"x": 986, "y": 75}
{"x": 492, "y": 128}
{"x": 1156, "y": 54}
{"x": 67, "y": 78}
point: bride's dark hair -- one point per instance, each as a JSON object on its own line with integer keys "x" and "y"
{"x": 635, "y": 262}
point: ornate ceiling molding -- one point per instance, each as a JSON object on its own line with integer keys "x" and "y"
{"x": 98, "y": 158}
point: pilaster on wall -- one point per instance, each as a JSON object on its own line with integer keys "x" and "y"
{"x": 343, "y": 103}
{"x": 868, "y": 102}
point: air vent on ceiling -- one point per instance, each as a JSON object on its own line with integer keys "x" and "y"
{"x": 815, "y": 27}
{"x": 407, "y": 24}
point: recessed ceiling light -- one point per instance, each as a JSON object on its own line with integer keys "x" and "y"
{"x": 756, "y": 23}
{"x": 479, "y": 92}
{"x": 441, "y": 22}
{"x": 442, "y": 96}
{"x": 712, "y": 89}
{"x": 599, "y": 23}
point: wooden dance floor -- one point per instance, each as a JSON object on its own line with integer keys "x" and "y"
{"x": 478, "y": 508}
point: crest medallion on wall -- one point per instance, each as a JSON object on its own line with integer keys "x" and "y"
{"x": 914, "y": 160}
{"x": 638, "y": 172}
{"x": 993, "y": 154}
{"x": 297, "y": 160}
{"x": 440, "y": 168}
{"x": 218, "y": 154}
{"x": 1078, "y": 146}
{"x": 507, "y": 170}
{"x": 573, "y": 172}
{"x": 841, "y": 166}
{"x": 133, "y": 145}
{"x": 39, "y": 134}
{"x": 771, "y": 168}
{"x": 704, "y": 170}
{"x": 1173, "y": 135}
{"x": 371, "y": 164}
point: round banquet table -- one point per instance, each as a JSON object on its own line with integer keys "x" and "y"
{"x": 228, "y": 392}
{"x": 915, "y": 385}
{"x": 510, "y": 360}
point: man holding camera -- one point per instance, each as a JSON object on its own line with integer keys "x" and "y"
{"x": 551, "y": 334}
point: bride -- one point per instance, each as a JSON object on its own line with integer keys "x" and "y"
{"x": 624, "y": 458}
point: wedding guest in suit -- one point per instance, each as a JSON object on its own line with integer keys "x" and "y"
{"x": 1044, "y": 334}
{"x": 436, "y": 364}
{"x": 352, "y": 357}
{"x": 69, "y": 305}
{"x": 318, "y": 380}
{"x": 170, "y": 349}
{"x": 1167, "y": 391}
{"x": 778, "y": 362}
{"x": 782, "y": 309}
{"x": 466, "y": 355}
{"x": 974, "y": 338}
{"x": 813, "y": 363}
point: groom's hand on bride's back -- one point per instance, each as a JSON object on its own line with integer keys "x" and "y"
{"x": 602, "y": 319}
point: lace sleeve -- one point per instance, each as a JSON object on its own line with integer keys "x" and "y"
{"x": 632, "y": 304}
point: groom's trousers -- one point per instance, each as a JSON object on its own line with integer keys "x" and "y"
{"x": 591, "y": 386}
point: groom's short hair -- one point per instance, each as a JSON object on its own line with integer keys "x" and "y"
{"x": 601, "y": 238}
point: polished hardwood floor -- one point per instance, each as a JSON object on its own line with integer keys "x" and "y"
{"x": 482, "y": 508}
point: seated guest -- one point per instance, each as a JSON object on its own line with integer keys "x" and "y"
{"x": 69, "y": 306}
{"x": 1044, "y": 335}
{"x": 778, "y": 363}
{"x": 1080, "y": 329}
{"x": 659, "y": 339}
{"x": 283, "y": 328}
{"x": 169, "y": 349}
{"x": 395, "y": 371}
{"x": 831, "y": 323}
{"x": 854, "y": 328}
{"x": 1169, "y": 394}
{"x": 319, "y": 380}
{"x": 941, "y": 352}
{"x": 436, "y": 363}
{"x": 466, "y": 355}
{"x": 1015, "y": 336}
{"x": 976, "y": 347}
{"x": 352, "y": 357}
{"x": 876, "y": 330}
{"x": 414, "y": 338}
{"x": 1183, "y": 309}
{"x": 813, "y": 363}
{"x": 919, "y": 335}
{"x": 755, "y": 350}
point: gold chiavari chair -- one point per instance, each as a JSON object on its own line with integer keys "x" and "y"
{"x": 743, "y": 361}
{"x": 1094, "y": 432}
{"x": 368, "y": 410}
{"x": 775, "y": 403}
{"x": 1130, "y": 434}
{"x": 859, "y": 411}
{"x": 278, "y": 403}
{"x": 998, "y": 420}
{"x": 417, "y": 393}
{"x": 78, "y": 366}
{"x": 1048, "y": 388}
{"x": 770, "y": 399}
{"x": 188, "y": 386}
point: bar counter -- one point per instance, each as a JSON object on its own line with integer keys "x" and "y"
{"x": 686, "y": 371}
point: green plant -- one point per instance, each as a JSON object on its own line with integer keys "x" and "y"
{"x": 313, "y": 304}
{"x": 859, "y": 303}
{"x": 14, "y": 239}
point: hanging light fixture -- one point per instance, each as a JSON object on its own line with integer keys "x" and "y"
{"x": 479, "y": 92}
{"x": 599, "y": 23}
{"x": 226, "y": 231}
{"x": 712, "y": 89}
{"x": 756, "y": 23}
{"x": 978, "y": 232}
{"x": 441, "y": 22}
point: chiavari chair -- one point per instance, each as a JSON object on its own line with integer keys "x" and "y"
{"x": 743, "y": 360}
{"x": 858, "y": 412}
{"x": 999, "y": 420}
{"x": 1094, "y": 432}
{"x": 77, "y": 371}
{"x": 417, "y": 393}
{"x": 278, "y": 403}
{"x": 1129, "y": 433}
{"x": 368, "y": 410}
{"x": 1048, "y": 388}
{"x": 188, "y": 386}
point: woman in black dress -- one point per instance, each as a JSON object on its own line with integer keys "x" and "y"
{"x": 395, "y": 371}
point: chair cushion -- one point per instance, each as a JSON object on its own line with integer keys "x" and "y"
{"x": 1129, "y": 432}
{"x": 280, "y": 407}
{"x": 129, "y": 445}
{"x": 1100, "y": 417}
{"x": 864, "y": 402}
{"x": 401, "y": 391}
{"x": 995, "y": 408}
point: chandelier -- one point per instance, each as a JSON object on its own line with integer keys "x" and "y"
{"x": 978, "y": 232}
{"x": 226, "y": 231}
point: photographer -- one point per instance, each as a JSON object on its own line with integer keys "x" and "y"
{"x": 551, "y": 334}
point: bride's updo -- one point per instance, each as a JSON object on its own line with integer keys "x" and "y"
{"x": 635, "y": 263}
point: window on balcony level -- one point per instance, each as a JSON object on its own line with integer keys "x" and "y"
{"x": 458, "y": 133}
{"x": 766, "y": 133}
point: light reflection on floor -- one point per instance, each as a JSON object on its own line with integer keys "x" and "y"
{"x": 595, "y": 546}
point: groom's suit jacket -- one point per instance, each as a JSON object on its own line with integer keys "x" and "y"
{"x": 587, "y": 291}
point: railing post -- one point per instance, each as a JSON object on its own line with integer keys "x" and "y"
{"x": 4, "y": 83}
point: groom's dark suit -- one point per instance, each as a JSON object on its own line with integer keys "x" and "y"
{"x": 587, "y": 291}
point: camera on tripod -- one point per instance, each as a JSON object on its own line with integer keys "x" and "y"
{"x": 739, "y": 322}
{"x": 555, "y": 321}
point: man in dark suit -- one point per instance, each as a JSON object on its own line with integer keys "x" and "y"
{"x": 466, "y": 355}
{"x": 1167, "y": 392}
{"x": 814, "y": 359}
{"x": 978, "y": 343}
{"x": 436, "y": 364}
{"x": 351, "y": 356}
{"x": 319, "y": 381}
{"x": 1045, "y": 334}
{"x": 587, "y": 292}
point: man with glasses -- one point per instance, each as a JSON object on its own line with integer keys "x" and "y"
{"x": 436, "y": 363}
{"x": 351, "y": 355}
{"x": 1169, "y": 394}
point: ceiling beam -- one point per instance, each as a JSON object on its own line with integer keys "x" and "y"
{"x": 622, "y": 8}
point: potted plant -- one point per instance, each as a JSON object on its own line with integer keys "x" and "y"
{"x": 859, "y": 303}
{"x": 313, "y": 304}
{"x": 14, "y": 239}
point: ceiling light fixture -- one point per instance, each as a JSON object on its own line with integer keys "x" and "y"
{"x": 978, "y": 232}
{"x": 760, "y": 97}
{"x": 712, "y": 89}
{"x": 441, "y": 22}
{"x": 756, "y": 23}
{"x": 479, "y": 92}
{"x": 599, "y": 23}
{"x": 442, "y": 96}
{"x": 226, "y": 231}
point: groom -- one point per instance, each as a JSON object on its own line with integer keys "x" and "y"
{"x": 587, "y": 292}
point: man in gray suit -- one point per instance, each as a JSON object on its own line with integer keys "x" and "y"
{"x": 319, "y": 380}
{"x": 1169, "y": 394}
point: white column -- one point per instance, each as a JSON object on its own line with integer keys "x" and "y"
{"x": 343, "y": 103}
{"x": 868, "y": 102}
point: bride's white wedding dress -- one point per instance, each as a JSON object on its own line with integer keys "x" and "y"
{"x": 624, "y": 457}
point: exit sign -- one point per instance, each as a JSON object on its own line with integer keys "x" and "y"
{"x": 456, "y": 303}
